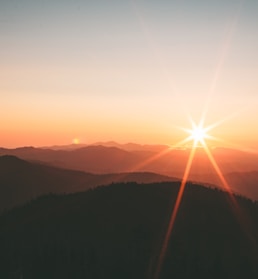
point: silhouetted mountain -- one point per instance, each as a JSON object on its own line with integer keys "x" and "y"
{"x": 98, "y": 159}
{"x": 21, "y": 181}
{"x": 65, "y": 147}
{"x": 117, "y": 231}
{"x": 245, "y": 183}
{"x": 126, "y": 146}
{"x": 242, "y": 183}
{"x": 102, "y": 159}
{"x": 170, "y": 162}
{"x": 133, "y": 146}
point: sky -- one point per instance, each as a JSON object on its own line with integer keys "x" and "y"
{"x": 128, "y": 71}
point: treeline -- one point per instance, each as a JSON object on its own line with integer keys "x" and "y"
{"x": 117, "y": 231}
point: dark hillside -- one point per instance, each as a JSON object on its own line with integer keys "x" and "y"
{"x": 21, "y": 181}
{"x": 116, "y": 232}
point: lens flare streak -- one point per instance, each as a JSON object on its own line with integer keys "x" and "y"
{"x": 222, "y": 58}
{"x": 240, "y": 216}
{"x": 158, "y": 155}
{"x": 174, "y": 212}
{"x": 232, "y": 200}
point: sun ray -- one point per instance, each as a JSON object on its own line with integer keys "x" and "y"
{"x": 217, "y": 169}
{"x": 174, "y": 212}
{"x": 158, "y": 56}
{"x": 239, "y": 147}
{"x": 156, "y": 156}
{"x": 222, "y": 58}
{"x": 198, "y": 135}
{"x": 160, "y": 154}
{"x": 227, "y": 118}
{"x": 240, "y": 216}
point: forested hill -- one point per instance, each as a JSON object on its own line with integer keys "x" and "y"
{"x": 116, "y": 232}
{"x": 21, "y": 181}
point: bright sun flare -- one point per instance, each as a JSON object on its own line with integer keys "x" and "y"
{"x": 198, "y": 134}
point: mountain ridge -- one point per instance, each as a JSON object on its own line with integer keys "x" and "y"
{"x": 171, "y": 162}
{"x": 117, "y": 231}
{"x": 21, "y": 180}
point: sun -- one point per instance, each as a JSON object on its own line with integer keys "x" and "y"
{"x": 198, "y": 134}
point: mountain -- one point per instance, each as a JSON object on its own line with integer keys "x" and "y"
{"x": 100, "y": 159}
{"x": 21, "y": 181}
{"x": 133, "y": 146}
{"x": 245, "y": 183}
{"x": 126, "y": 146}
{"x": 72, "y": 146}
{"x": 242, "y": 183}
{"x": 103, "y": 159}
{"x": 117, "y": 232}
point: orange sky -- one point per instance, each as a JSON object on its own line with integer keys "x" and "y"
{"x": 129, "y": 72}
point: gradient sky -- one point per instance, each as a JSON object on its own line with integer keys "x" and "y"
{"x": 129, "y": 71}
